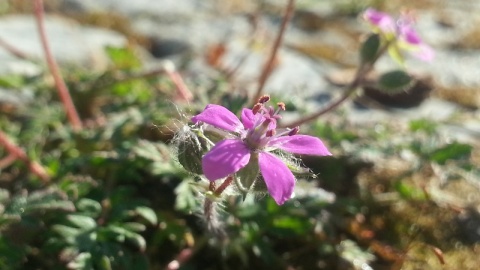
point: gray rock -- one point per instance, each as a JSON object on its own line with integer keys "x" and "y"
{"x": 69, "y": 42}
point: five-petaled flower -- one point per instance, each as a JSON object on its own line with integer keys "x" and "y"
{"x": 401, "y": 30}
{"x": 256, "y": 135}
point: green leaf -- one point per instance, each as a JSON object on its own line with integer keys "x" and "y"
{"x": 369, "y": 49}
{"x": 66, "y": 231}
{"x": 147, "y": 213}
{"x": 12, "y": 81}
{"x": 451, "y": 151}
{"x": 105, "y": 263}
{"x": 83, "y": 261}
{"x": 287, "y": 225}
{"x": 395, "y": 81}
{"x": 134, "y": 226}
{"x": 126, "y": 235}
{"x": 408, "y": 191}
{"x": 123, "y": 58}
{"x": 425, "y": 125}
{"x": 48, "y": 199}
{"x": 186, "y": 199}
{"x": 89, "y": 207}
{"x": 83, "y": 222}
{"x": 352, "y": 253}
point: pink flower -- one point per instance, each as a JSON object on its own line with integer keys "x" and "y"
{"x": 402, "y": 30}
{"x": 256, "y": 135}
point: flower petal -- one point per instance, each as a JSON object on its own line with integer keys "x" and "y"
{"x": 300, "y": 144}
{"x": 225, "y": 158}
{"x": 409, "y": 34}
{"x": 220, "y": 117}
{"x": 380, "y": 19}
{"x": 248, "y": 118}
{"x": 278, "y": 178}
{"x": 424, "y": 53}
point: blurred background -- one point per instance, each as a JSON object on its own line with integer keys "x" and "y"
{"x": 401, "y": 191}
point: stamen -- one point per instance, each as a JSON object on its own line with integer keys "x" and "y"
{"x": 264, "y": 99}
{"x": 281, "y": 105}
{"x": 294, "y": 131}
{"x": 270, "y": 133}
{"x": 256, "y": 108}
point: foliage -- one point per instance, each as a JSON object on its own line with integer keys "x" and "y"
{"x": 118, "y": 197}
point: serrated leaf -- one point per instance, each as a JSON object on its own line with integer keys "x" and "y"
{"x": 90, "y": 207}
{"x": 49, "y": 199}
{"x": 132, "y": 237}
{"x": 52, "y": 205}
{"x": 186, "y": 198}
{"x": 394, "y": 81}
{"x": 134, "y": 226}
{"x": 147, "y": 213}
{"x": 83, "y": 222}
{"x": 66, "y": 231}
{"x": 82, "y": 262}
{"x": 369, "y": 49}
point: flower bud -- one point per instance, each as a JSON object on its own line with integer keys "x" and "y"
{"x": 190, "y": 152}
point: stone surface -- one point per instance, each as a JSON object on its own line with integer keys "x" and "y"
{"x": 69, "y": 42}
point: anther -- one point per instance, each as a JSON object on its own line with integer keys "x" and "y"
{"x": 264, "y": 99}
{"x": 270, "y": 133}
{"x": 256, "y": 108}
{"x": 281, "y": 105}
{"x": 294, "y": 131}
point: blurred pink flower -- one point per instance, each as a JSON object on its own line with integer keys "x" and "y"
{"x": 401, "y": 30}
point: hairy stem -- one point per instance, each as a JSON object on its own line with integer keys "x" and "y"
{"x": 224, "y": 185}
{"x": 62, "y": 89}
{"x": 267, "y": 69}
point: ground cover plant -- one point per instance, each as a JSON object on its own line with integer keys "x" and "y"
{"x": 136, "y": 169}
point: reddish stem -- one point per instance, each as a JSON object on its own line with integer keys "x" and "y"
{"x": 267, "y": 69}
{"x": 182, "y": 88}
{"x": 11, "y": 49}
{"x": 18, "y": 152}
{"x": 224, "y": 185}
{"x": 62, "y": 89}
{"x": 362, "y": 71}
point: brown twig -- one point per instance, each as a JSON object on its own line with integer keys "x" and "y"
{"x": 267, "y": 69}
{"x": 18, "y": 153}
{"x": 62, "y": 89}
